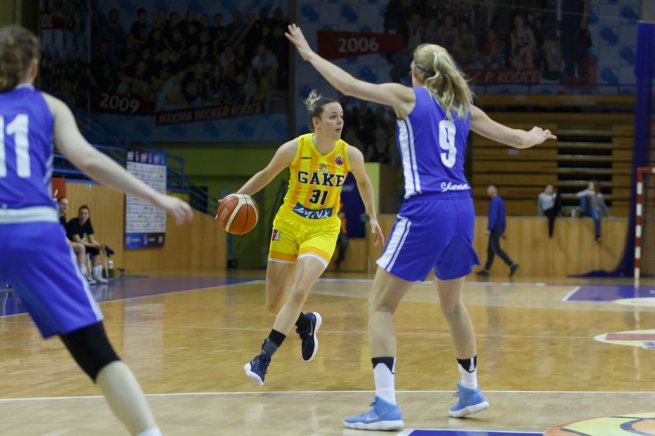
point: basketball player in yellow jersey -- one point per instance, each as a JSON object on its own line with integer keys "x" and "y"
{"x": 306, "y": 227}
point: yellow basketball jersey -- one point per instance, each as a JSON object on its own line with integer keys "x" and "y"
{"x": 315, "y": 180}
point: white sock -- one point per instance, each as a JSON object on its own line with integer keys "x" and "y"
{"x": 151, "y": 432}
{"x": 97, "y": 271}
{"x": 82, "y": 267}
{"x": 469, "y": 379}
{"x": 385, "y": 382}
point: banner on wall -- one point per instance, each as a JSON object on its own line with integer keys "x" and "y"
{"x": 145, "y": 225}
{"x": 209, "y": 113}
{"x": 562, "y": 47}
{"x": 181, "y": 71}
{"x": 495, "y": 77}
{"x": 335, "y": 45}
{"x": 65, "y": 36}
{"x": 171, "y": 71}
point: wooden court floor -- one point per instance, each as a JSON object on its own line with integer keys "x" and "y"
{"x": 539, "y": 363}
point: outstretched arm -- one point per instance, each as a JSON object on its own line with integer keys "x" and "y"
{"x": 282, "y": 159}
{"x": 365, "y": 188}
{"x": 517, "y": 138}
{"x": 96, "y": 165}
{"x": 399, "y": 96}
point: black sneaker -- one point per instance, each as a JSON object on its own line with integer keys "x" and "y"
{"x": 257, "y": 368}
{"x": 512, "y": 269}
{"x": 309, "y": 344}
{"x": 482, "y": 273}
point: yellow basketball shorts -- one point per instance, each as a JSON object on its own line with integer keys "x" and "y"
{"x": 295, "y": 237}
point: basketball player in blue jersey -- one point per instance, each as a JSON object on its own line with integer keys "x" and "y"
{"x": 434, "y": 228}
{"x": 35, "y": 259}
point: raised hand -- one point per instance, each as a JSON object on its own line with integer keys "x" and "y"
{"x": 298, "y": 39}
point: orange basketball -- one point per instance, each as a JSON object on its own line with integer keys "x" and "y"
{"x": 237, "y": 214}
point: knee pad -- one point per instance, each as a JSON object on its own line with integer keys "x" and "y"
{"x": 90, "y": 348}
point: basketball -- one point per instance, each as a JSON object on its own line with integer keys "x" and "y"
{"x": 238, "y": 214}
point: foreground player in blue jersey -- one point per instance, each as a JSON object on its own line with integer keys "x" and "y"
{"x": 35, "y": 259}
{"x": 434, "y": 228}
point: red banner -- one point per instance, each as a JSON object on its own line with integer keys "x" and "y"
{"x": 191, "y": 115}
{"x": 58, "y": 187}
{"x": 335, "y": 45}
{"x": 51, "y": 21}
{"x": 499, "y": 77}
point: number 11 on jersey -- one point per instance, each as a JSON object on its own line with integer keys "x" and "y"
{"x": 18, "y": 128}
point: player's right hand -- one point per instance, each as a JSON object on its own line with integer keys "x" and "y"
{"x": 179, "y": 209}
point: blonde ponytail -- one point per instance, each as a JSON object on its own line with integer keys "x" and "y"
{"x": 443, "y": 79}
{"x": 311, "y": 99}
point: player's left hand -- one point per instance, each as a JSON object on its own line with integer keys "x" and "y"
{"x": 537, "y": 135}
{"x": 376, "y": 231}
{"x": 298, "y": 39}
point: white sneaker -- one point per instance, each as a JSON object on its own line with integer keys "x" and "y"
{"x": 99, "y": 278}
{"x": 89, "y": 280}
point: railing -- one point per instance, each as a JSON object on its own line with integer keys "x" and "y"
{"x": 115, "y": 146}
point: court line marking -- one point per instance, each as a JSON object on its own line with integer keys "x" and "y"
{"x": 356, "y": 332}
{"x": 408, "y": 431}
{"x": 266, "y": 393}
{"x": 351, "y": 332}
{"x": 431, "y": 282}
{"x": 570, "y": 294}
{"x": 153, "y": 295}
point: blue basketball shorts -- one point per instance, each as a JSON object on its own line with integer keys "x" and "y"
{"x": 41, "y": 267}
{"x": 432, "y": 233}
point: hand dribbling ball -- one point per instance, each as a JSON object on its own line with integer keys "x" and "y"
{"x": 237, "y": 214}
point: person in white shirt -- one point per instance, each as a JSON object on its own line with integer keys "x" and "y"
{"x": 264, "y": 59}
{"x": 548, "y": 204}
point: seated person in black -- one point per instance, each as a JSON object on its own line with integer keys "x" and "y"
{"x": 79, "y": 228}
{"x": 78, "y": 248}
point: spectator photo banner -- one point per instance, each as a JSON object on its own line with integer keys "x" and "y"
{"x": 145, "y": 225}
{"x": 65, "y": 36}
{"x": 527, "y": 46}
{"x": 532, "y": 46}
{"x": 191, "y": 71}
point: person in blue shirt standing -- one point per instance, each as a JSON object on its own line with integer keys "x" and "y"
{"x": 434, "y": 227}
{"x": 496, "y": 230}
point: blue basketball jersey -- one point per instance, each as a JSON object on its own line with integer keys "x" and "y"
{"x": 432, "y": 148}
{"x": 26, "y": 149}
{"x": 35, "y": 258}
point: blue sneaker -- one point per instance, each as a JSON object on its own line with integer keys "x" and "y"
{"x": 309, "y": 344}
{"x": 470, "y": 401}
{"x": 257, "y": 368}
{"x": 382, "y": 416}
